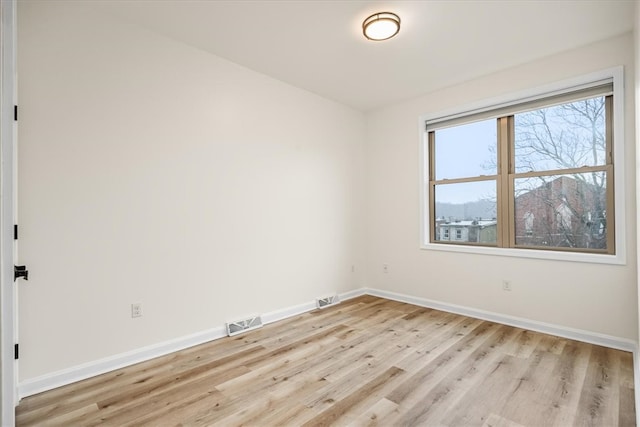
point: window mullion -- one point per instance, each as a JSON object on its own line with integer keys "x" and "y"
{"x": 503, "y": 182}
{"x": 608, "y": 103}
{"x": 432, "y": 176}
{"x": 610, "y": 213}
{"x": 511, "y": 169}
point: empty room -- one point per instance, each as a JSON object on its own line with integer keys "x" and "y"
{"x": 306, "y": 212}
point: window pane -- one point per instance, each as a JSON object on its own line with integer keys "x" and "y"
{"x": 567, "y": 211}
{"x": 561, "y": 137}
{"x": 466, "y": 212}
{"x": 466, "y": 151}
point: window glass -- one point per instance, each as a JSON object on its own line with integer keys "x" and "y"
{"x": 565, "y": 211}
{"x": 466, "y": 150}
{"x": 469, "y": 208}
{"x": 564, "y": 136}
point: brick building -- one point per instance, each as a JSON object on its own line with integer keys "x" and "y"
{"x": 564, "y": 212}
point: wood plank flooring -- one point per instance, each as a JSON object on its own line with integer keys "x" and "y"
{"x": 365, "y": 362}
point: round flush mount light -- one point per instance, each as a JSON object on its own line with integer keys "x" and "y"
{"x": 381, "y": 26}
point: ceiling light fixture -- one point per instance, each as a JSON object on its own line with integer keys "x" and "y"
{"x": 381, "y": 26}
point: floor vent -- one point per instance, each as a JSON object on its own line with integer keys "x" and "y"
{"x": 239, "y": 326}
{"x": 327, "y": 301}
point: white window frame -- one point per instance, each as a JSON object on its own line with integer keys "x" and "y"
{"x": 566, "y": 86}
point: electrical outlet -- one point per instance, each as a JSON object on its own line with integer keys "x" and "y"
{"x": 136, "y": 310}
{"x": 506, "y": 285}
{"x": 385, "y": 268}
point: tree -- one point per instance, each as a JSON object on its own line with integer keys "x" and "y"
{"x": 571, "y": 206}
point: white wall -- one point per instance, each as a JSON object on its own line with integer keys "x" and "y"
{"x": 596, "y": 298}
{"x": 152, "y": 172}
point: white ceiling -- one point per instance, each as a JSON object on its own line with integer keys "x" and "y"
{"x": 318, "y": 45}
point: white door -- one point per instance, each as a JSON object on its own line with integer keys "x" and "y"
{"x": 8, "y": 324}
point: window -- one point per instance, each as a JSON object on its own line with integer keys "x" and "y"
{"x": 529, "y": 174}
{"x": 445, "y": 234}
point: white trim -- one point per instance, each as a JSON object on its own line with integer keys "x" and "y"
{"x": 91, "y": 369}
{"x": 519, "y": 322}
{"x": 285, "y": 313}
{"x": 108, "y": 364}
{"x": 8, "y": 370}
{"x": 118, "y": 361}
{"x": 352, "y": 294}
{"x": 620, "y": 258}
{"x": 590, "y": 258}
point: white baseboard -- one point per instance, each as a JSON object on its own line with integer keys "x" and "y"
{"x": 108, "y": 364}
{"x": 285, "y": 313}
{"x": 533, "y": 325}
{"x": 91, "y": 369}
{"x": 352, "y": 294}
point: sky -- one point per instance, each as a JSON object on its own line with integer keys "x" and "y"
{"x": 469, "y": 150}
{"x": 463, "y": 151}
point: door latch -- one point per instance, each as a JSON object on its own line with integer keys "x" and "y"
{"x": 20, "y": 271}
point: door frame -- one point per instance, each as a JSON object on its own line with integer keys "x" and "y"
{"x": 8, "y": 204}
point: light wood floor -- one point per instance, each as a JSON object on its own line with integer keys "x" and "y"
{"x": 367, "y": 361}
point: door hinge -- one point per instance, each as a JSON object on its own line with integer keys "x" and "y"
{"x": 16, "y": 351}
{"x": 15, "y": 113}
{"x": 15, "y": 232}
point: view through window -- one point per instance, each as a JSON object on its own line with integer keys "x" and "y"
{"x": 538, "y": 175}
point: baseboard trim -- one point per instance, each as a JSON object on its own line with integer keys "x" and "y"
{"x": 98, "y": 367}
{"x": 285, "y": 313}
{"x": 352, "y": 294}
{"x": 519, "y": 322}
{"x": 108, "y": 364}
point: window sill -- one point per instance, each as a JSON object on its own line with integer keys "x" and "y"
{"x": 618, "y": 259}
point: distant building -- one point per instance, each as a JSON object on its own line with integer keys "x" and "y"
{"x": 565, "y": 212}
{"x": 477, "y": 231}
